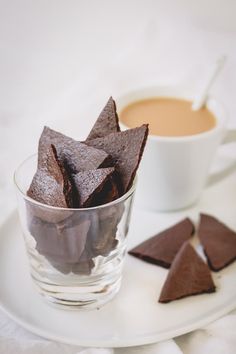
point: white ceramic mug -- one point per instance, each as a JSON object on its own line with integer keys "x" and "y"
{"x": 174, "y": 170}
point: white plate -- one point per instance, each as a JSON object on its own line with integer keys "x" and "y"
{"x": 134, "y": 317}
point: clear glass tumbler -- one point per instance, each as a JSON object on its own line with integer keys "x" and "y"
{"x": 75, "y": 255}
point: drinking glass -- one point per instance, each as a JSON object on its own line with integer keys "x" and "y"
{"x": 75, "y": 255}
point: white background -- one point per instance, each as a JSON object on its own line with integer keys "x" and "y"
{"x": 61, "y": 59}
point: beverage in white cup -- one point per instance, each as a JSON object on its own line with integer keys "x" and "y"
{"x": 174, "y": 169}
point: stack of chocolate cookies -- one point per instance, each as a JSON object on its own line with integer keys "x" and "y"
{"x": 71, "y": 175}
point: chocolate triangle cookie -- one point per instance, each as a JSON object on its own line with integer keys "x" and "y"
{"x": 126, "y": 149}
{"x": 75, "y": 156}
{"x": 107, "y": 122}
{"x": 95, "y": 187}
{"x": 51, "y": 184}
{"x": 188, "y": 275}
{"x": 162, "y": 248}
{"x": 63, "y": 241}
{"x": 218, "y": 241}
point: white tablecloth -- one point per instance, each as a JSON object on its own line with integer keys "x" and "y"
{"x": 63, "y": 59}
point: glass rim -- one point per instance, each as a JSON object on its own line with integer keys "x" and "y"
{"x": 33, "y": 201}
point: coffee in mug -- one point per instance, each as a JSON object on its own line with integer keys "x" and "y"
{"x": 168, "y": 116}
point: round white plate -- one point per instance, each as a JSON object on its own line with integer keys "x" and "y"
{"x": 134, "y": 317}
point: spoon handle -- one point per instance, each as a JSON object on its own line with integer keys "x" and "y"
{"x": 200, "y": 100}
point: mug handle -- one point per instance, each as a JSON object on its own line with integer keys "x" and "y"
{"x": 230, "y": 137}
{"x": 219, "y": 176}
